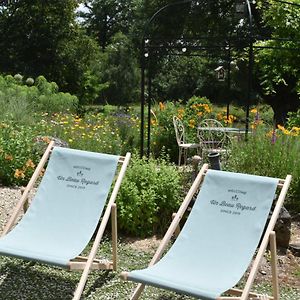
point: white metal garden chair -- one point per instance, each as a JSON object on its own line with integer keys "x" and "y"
{"x": 183, "y": 145}
{"x": 213, "y": 138}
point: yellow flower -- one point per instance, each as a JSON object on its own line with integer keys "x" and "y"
{"x": 295, "y": 131}
{"x": 19, "y": 173}
{"x": 192, "y": 123}
{"x": 253, "y": 110}
{"x": 219, "y": 116}
{"x": 284, "y": 131}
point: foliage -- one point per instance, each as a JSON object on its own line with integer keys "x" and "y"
{"x": 278, "y": 70}
{"x": 272, "y": 153}
{"x": 18, "y": 157}
{"x": 196, "y": 109}
{"x": 19, "y": 101}
{"x": 104, "y": 18}
{"x": 162, "y": 130}
{"x": 92, "y": 133}
{"x": 149, "y": 194}
{"x": 119, "y": 69}
{"x": 293, "y": 119}
{"x": 44, "y": 38}
{"x": 81, "y": 57}
{"x": 128, "y": 126}
{"x": 33, "y": 31}
{"x": 178, "y": 77}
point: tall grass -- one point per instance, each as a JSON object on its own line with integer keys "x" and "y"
{"x": 269, "y": 153}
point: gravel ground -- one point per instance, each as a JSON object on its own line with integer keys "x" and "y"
{"x": 8, "y": 199}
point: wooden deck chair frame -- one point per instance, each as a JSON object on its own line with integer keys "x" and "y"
{"x": 269, "y": 237}
{"x": 81, "y": 263}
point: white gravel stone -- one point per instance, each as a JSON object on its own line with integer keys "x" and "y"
{"x": 9, "y": 198}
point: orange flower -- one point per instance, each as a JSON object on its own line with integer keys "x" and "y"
{"x": 19, "y": 173}
{"x": 42, "y": 172}
{"x": 30, "y": 164}
{"x": 153, "y": 122}
{"x": 161, "y": 106}
{"x": 8, "y": 157}
{"x": 46, "y": 139}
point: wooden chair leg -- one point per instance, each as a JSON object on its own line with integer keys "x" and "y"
{"x": 177, "y": 230}
{"x": 114, "y": 235}
{"x": 273, "y": 249}
{"x": 138, "y": 291}
{"x": 26, "y": 203}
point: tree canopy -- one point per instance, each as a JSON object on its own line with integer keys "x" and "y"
{"x": 98, "y": 57}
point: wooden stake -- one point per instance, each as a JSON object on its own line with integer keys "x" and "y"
{"x": 273, "y": 249}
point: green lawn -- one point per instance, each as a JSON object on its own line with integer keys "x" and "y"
{"x": 34, "y": 281}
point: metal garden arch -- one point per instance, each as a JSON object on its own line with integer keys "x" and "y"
{"x": 153, "y": 46}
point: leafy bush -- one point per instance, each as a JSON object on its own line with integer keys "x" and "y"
{"x": 293, "y": 119}
{"x": 163, "y": 133}
{"x": 19, "y": 102}
{"x": 149, "y": 194}
{"x": 196, "y": 108}
{"x": 162, "y": 130}
{"x": 18, "y": 156}
{"x": 269, "y": 153}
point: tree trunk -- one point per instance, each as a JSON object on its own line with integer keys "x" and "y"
{"x": 282, "y": 102}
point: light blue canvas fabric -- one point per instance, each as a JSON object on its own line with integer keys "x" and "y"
{"x": 219, "y": 238}
{"x": 66, "y": 208}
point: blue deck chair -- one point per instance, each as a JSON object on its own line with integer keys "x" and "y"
{"x": 218, "y": 239}
{"x": 66, "y": 210}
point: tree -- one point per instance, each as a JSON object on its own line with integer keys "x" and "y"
{"x": 43, "y": 38}
{"x": 104, "y": 18}
{"x": 278, "y": 62}
{"x": 33, "y": 31}
{"x": 120, "y": 71}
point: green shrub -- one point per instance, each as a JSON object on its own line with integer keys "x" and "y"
{"x": 149, "y": 194}
{"x": 269, "y": 154}
{"x": 293, "y": 119}
{"x": 197, "y": 108}
{"x": 19, "y": 101}
{"x": 18, "y": 157}
{"x": 127, "y": 126}
{"x": 162, "y": 130}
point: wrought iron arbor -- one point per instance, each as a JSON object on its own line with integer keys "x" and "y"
{"x": 210, "y": 39}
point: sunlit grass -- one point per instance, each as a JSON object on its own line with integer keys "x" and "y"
{"x": 34, "y": 281}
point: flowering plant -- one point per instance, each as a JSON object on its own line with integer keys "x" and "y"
{"x": 18, "y": 157}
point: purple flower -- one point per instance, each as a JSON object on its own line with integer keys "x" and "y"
{"x": 273, "y": 139}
